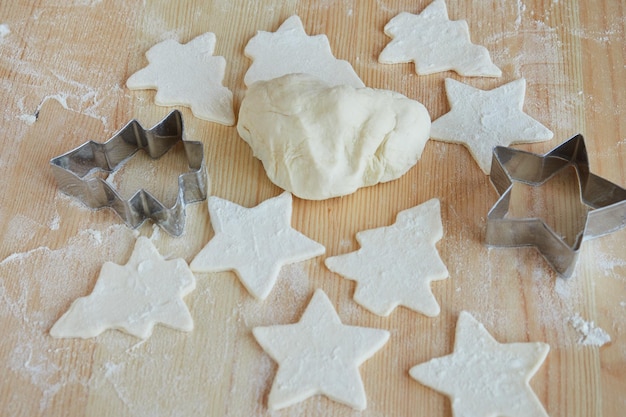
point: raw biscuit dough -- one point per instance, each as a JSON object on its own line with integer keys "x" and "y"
{"x": 484, "y": 378}
{"x": 290, "y": 50}
{"x": 133, "y": 297}
{"x": 396, "y": 264}
{"x": 319, "y": 355}
{"x": 188, "y": 75}
{"x": 482, "y": 120}
{"x": 254, "y": 242}
{"x": 435, "y": 44}
{"x": 320, "y": 141}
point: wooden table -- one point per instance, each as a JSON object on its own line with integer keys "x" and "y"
{"x": 63, "y": 69}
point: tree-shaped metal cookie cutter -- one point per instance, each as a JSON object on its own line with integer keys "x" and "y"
{"x": 71, "y": 172}
{"x": 606, "y": 202}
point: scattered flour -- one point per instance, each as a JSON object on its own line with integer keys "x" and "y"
{"x": 35, "y": 286}
{"x": 55, "y": 222}
{"x": 29, "y": 119}
{"x": 4, "y": 30}
{"x": 590, "y": 334}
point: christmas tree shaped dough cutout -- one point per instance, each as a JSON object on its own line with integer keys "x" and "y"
{"x": 134, "y": 297}
{"x": 188, "y": 75}
{"x": 396, "y": 264}
{"x": 254, "y": 242}
{"x": 319, "y": 355}
{"x": 484, "y": 378}
{"x": 435, "y": 43}
{"x": 290, "y": 50}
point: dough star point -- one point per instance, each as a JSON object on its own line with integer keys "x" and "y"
{"x": 188, "y": 75}
{"x": 435, "y": 44}
{"x": 319, "y": 355}
{"x": 483, "y": 377}
{"x": 254, "y": 242}
{"x": 133, "y": 297}
{"x": 482, "y": 120}
{"x": 397, "y": 263}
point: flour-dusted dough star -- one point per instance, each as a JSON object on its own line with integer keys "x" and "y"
{"x": 482, "y": 120}
{"x": 188, "y": 75}
{"x": 396, "y": 264}
{"x": 435, "y": 43}
{"x": 132, "y": 297}
{"x": 290, "y": 50}
{"x": 319, "y": 355}
{"x": 254, "y": 242}
{"x": 484, "y": 378}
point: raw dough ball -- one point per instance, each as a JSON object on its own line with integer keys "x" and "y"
{"x": 320, "y": 141}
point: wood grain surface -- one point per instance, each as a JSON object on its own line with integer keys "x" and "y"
{"x": 63, "y": 68}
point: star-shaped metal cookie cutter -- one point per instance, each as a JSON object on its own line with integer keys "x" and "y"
{"x": 72, "y": 168}
{"x": 606, "y": 202}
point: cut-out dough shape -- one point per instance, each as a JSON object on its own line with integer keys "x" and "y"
{"x": 290, "y": 50}
{"x": 435, "y": 43}
{"x": 188, "y": 75}
{"x": 484, "y": 378}
{"x": 396, "y": 264}
{"x": 132, "y": 297}
{"x": 319, "y": 355}
{"x": 254, "y": 242}
{"x": 482, "y": 120}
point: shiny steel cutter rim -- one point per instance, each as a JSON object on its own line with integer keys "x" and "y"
{"x": 72, "y": 170}
{"x": 606, "y": 202}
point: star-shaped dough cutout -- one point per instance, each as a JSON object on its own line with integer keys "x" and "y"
{"x": 133, "y": 297}
{"x": 254, "y": 242}
{"x": 319, "y": 355}
{"x": 396, "y": 264}
{"x": 435, "y": 43}
{"x": 484, "y": 378}
{"x": 290, "y": 50}
{"x": 188, "y": 75}
{"x": 482, "y": 120}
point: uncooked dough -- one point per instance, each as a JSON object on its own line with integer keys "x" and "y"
{"x": 396, "y": 264}
{"x": 482, "y": 120}
{"x": 435, "y": 44}
{"x": 254, "y": 242}
{"x": 188, "y": 75}
{"x": 133, "y": 297}
{"x": 484, "y": 378}
{"x": 290, "y": 50}
{"x": 320, "y": 141}
{"x": 319, "y": 355}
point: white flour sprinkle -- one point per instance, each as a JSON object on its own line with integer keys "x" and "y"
{"x": 590, "y": 334}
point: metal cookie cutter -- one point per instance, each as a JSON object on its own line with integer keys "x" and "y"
{"x": 70, "y": 170}
{"x": 606, "y": 202}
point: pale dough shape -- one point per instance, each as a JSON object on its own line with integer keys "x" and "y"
{"x": 188, "y": 75}
{"x": 319, "y": 355}
{"x": 254, "y": 242}
{"x": 435, "y": 43}
{"x": 484, "y": 378}
{"x": 290, "y": 50}
{"x": 482, "y": 120}
{"x": 133, "y": 297}
{"x": 320, "y": 141}
{"x": 396, "y": 264}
